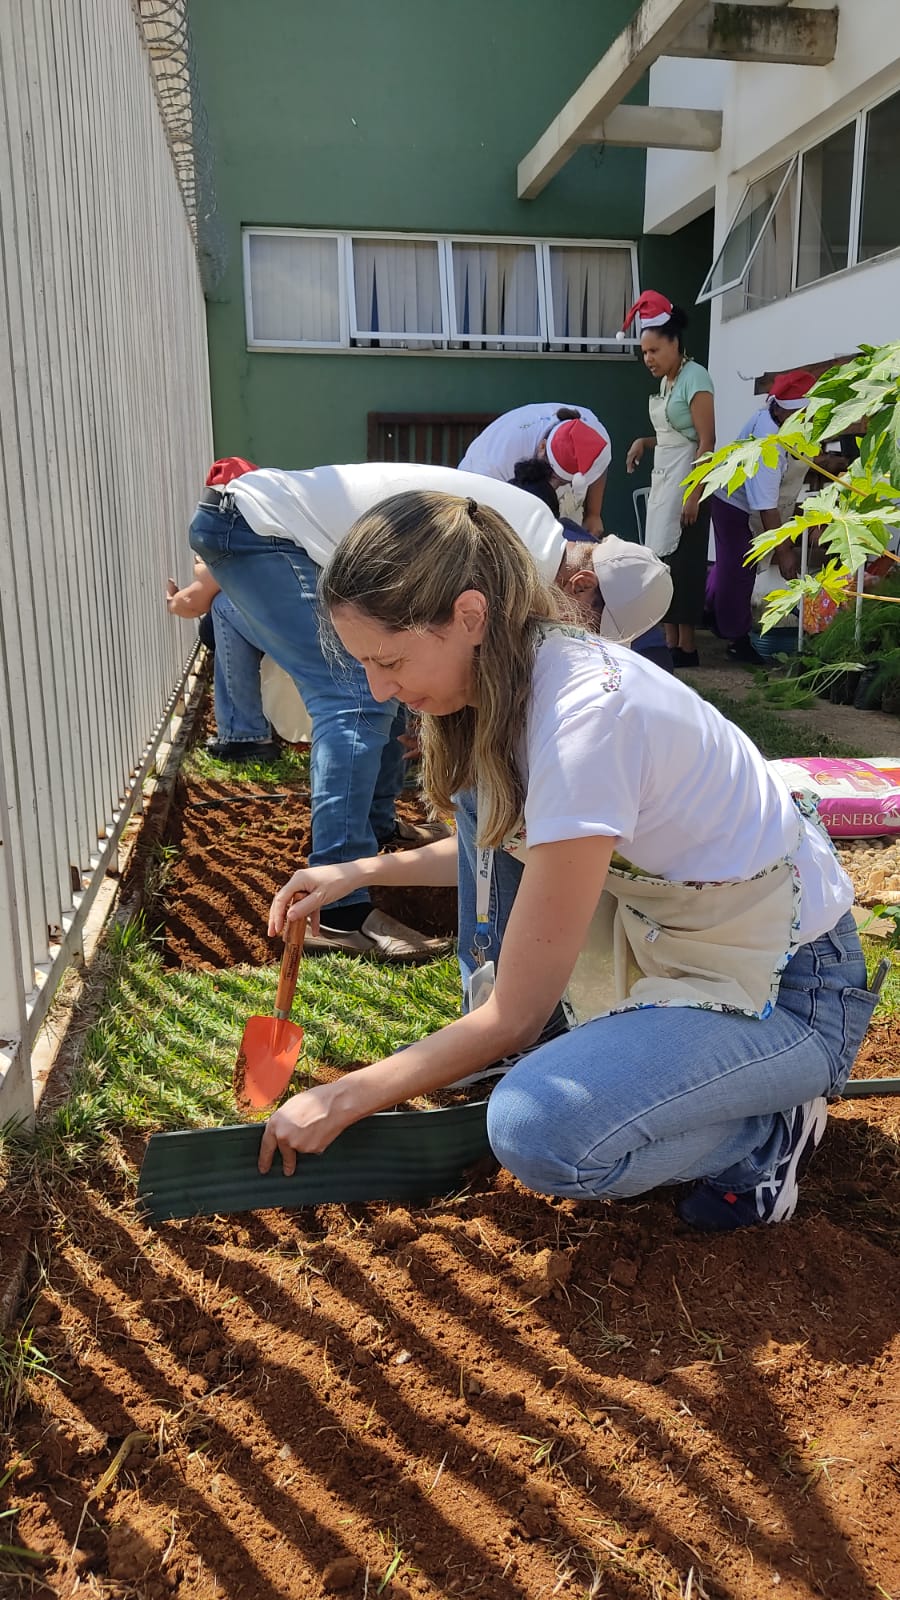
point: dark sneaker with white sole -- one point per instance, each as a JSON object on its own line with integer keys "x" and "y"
{"x": 714, "y": 1210}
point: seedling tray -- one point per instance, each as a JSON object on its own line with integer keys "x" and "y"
{"x": 394, "y": 1155}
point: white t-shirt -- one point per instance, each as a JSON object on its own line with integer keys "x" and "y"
{"x": 316, "y": 509}
{"x": 761, "y": 492}
{"x": 652, "y": 764}
{"x": 516, "y": 435}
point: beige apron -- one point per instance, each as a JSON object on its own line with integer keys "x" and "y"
{"x": 673, "y": 459}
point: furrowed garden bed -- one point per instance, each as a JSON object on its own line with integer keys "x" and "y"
{"x": 496, "y": 1394}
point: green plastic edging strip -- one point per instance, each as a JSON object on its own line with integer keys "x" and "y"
{"x": 394, "y": 1155}
{"x": 863, "y": 1088}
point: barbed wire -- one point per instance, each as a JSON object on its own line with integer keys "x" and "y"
{"x": 167, "y": 35}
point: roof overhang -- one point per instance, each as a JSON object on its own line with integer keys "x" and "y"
{"x": 764, "y": 32}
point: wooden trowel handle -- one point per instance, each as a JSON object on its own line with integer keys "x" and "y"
{"x": 294, "y": 935}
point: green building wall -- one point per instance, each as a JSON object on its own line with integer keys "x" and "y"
{"x": 411, "y": 115}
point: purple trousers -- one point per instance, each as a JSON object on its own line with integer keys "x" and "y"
{"x": 729, "y": 585}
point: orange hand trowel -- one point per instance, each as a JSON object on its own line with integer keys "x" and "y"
{"x": 271, "y": 1045}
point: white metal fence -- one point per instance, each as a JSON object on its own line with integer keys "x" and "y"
{"x": 104, "y": 438}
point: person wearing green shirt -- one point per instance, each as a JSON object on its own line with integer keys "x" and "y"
{"x": 683, "y": 418}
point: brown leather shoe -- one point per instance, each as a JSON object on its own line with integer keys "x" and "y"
{"x": 382, "y": 938}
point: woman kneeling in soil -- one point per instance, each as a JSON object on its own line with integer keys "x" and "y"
{"x": 620, "y": 821}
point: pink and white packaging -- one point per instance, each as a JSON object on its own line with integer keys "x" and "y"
{"x": 855, "y": 799}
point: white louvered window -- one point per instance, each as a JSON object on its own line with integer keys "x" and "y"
{"x": 317, "y": 290}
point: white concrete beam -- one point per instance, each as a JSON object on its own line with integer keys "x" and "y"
{"x": 653, "y": 28}
{"x": 799, "y": 37}
{"x": 659, "y": 128}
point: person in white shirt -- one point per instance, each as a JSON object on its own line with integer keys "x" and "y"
{"x": 263, "y": 540}
{"x": 762, "y": 503}
{"x": 570, "y": 438}
{"x": 607, "y": 816}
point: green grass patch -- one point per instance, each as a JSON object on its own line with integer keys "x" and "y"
{"x": 874, "y": 950}
{"x": 161, "y": 1053}
{"x": 289, "y": 771}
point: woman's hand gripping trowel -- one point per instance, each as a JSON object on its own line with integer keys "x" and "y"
{"x": 271, "y": 1045}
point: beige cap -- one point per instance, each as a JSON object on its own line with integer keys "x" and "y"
{"x": 636, "y": 588}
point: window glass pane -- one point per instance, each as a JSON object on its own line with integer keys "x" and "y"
{"x": 590, "y": 292}
{"x": 827, "y": 174}
{"x": 731, "y": 262}
{"x": 495, "y": 289}
{"x": 880, "y": 219}
{"x": 294, "y": 289}
{"x": 769, "y": 276}
{"x": 397, "y": 287}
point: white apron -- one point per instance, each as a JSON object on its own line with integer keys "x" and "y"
{"x": 672, "y": 461}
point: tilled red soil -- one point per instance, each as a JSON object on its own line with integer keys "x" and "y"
{"x": 499, "y": 1395}
{"x": 236, "y": 846}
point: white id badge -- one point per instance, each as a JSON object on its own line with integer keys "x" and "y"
{"x": 480, "y": 986}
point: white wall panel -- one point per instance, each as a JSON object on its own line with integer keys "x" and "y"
{"x": 104, "y": 438}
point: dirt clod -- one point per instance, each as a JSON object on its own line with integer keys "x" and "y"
{"x": 340, "y": 1574}
{"x": 545, "y": 1272}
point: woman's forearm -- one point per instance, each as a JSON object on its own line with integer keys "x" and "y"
{"x": 473, "y": 1041}
{"x": 430, "y": 866}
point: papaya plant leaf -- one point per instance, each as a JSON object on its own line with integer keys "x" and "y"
{"x": 781, "y": 602}
{"x": 765, "y": 543}
{"x": 852, "y": 539}
{"x": 834, "y": 581}
{"x": 858, "y": 510}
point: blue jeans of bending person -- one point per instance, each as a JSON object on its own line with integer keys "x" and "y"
{"x": 356, "y": 761}
{"x": 237, "y": 691}
{"x": 623, "y": 1104}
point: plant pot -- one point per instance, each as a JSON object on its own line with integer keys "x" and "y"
{"x": 864, "y": 699}
{"x": 843, "y": 690}
{"x": 890, "y": 698}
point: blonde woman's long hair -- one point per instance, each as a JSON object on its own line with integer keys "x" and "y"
{"x": 403, "y": 564}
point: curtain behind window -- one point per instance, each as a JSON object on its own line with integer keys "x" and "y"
{"x": 496, "y": 292}
{"x": 294, "y": 288}
{"x": 590, "y": 292}
{"x": 398, "y": 289}
{"x": 769, "y": 277}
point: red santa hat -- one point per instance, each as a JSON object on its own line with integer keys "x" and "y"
{"x": 578, "y": 452}
{"x": 791, "y": 389}
{"x": 226, "y": 468}
{"x": 652, "y": 308}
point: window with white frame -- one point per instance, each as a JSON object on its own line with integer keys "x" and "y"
{"x": 496, "y": 298}
{"x": 747, "y": 231}
{"x": 829, "y": 207}
{"x": 879, "y": 222}
{"x": 589, "y": 291}
{"x": 317, "y": 290}
{"x": 826, "y": 193}
{"x": 396, "y": 296}
{"x": 296, "y": 282}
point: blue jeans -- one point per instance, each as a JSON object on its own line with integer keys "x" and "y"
{"x": 623, "y": 1104}
{"x": 356, "y": 761}
{"x": 236, "y": 687}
